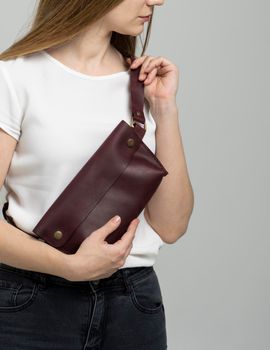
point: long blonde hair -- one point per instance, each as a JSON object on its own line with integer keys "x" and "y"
{"x": 56, "y": 22}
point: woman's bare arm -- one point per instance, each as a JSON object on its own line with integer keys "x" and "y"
{"x": 20, "y": 250}
{"x": 17, "y": 248}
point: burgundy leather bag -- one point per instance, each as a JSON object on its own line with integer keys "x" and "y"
{"x": 119, "y": 178}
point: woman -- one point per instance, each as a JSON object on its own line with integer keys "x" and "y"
{"x": 63, "y": 88}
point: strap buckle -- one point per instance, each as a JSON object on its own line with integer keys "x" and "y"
{"x": 141, "y": 124}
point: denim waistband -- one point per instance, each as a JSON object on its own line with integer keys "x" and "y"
{"x": 120, "y": 277}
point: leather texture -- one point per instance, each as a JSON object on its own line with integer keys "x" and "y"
{"x": 119, "y": 179}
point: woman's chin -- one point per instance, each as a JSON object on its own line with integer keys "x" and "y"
{"x": 138, "y": 31}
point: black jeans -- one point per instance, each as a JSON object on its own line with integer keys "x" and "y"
{"x": 42, "y": 311}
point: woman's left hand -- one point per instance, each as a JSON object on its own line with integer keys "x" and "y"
{"x": 160, "y": 78}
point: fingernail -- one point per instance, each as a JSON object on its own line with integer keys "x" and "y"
{"x": 116, "y": 219}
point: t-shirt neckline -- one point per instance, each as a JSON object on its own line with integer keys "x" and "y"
{"x": 82, "y": 75}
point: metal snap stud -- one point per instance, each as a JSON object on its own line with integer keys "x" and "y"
{"x": 130, "y": 142}
{"x": 58, "y": 234}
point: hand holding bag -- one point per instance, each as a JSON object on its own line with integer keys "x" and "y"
{"x": 119, "y": 178}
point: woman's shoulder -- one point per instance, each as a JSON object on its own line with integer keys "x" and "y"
{"x": 19, "y": 65}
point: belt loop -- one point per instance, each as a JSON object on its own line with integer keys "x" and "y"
{"x": 123, "y": 272}
{"x": 43, "y": 280}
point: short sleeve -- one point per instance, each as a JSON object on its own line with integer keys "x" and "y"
{"x": 10, "y": 112}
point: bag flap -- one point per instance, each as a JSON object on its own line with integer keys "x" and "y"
{"x": 88, "y": 186}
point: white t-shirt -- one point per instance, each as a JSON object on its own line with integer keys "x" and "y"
{"x": 60, "y": 116}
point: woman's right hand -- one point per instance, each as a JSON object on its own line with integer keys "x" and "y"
{"x": 96, "y": 258}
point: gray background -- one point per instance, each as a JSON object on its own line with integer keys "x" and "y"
{"x": 215, "y": 279}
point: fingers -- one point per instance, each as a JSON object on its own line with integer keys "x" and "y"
{"x": 109, "y": 227}
{"x": 144, "y": 61}
{"x": 125, "y": 241}
{"x": 128, "y": 236}
{"x": 128, "y": 251}
{"x": 121, "y": 248}
{"x": 138, "y": 61}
